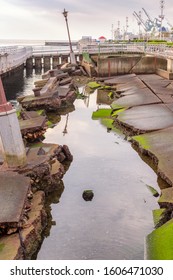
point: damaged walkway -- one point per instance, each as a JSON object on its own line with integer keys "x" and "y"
{"x": 147, "y": 103}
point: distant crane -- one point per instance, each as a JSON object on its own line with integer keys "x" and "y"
{"x": 169, "y": 23}
{"x": 149, "y": 23}
{"x": 140, "y": 20}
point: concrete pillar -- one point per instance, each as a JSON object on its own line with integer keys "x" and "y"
{"x": 46, "y": 62}
{"x": 38, "y": 63}
{"x": 29, "y": 63}
{"x": 11, "y": 138}
{"x": 72, "y": 58}
{"x": 64, "y": 59}
{"x": 169, "y": 65}
{"x": 55, "y": 61}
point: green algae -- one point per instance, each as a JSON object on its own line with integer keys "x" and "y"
{"x": 105, "y": 87}
{"x": 142, "y": 141}
{"x": 116, "y": 112}
{"x": 116, "y": 106}
{"x": 49, "y": 124}
{"x": 40, "y": 112}
{"x": 101, "y": 113}
{"x": 159, "y": 243}
{"x": 18, "y": 111}
{"x": 153, "y": 191}
{"x": 93, "y": 85}
{"x": 111, "y": 95}
{"x": 2, "y": 245}
{"x": 108, "y": 123}
{"x": 157, "y": 215}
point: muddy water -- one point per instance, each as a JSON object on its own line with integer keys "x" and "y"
{"x": 114, "y": 224}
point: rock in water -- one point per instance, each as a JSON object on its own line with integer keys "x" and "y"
{"x": 88, "y": 195}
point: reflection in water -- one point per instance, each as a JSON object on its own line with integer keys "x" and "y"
{"x": 113, "y": 225}
{"x": 20, "y": 83}
{"x": 66, "y": 124}
{"x": 52, "y": 198}
{"x": 14, "y": 84}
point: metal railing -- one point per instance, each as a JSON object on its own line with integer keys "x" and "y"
{"x": 113, "y": 48}
{"x": 12, "y": 57}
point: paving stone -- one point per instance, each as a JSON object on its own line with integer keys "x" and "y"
{"x": 32, "y": 124}
{"x": 160, "y": 143}
{"x": 13, "y": 193}
{"x": 147, "y": 117}
{"x": 139, "y": 97}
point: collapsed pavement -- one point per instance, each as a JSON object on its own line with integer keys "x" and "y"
{"x": 143, "y": 108}
{"x": 24, "y": 218}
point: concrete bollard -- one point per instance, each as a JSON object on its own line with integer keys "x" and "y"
{"x": 11, "y": 138}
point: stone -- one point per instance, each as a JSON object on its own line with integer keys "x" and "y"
{"x": 88, "y": 195}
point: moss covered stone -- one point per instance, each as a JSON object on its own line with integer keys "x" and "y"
{"x": 93, "y": 85}
{"x": 101, "y": 113}
{"x": 157, "y": 215}
{"x": 166, "y": 197}
{"x": 153, "y": 191}
{"x": 1, "y": 246}
{"x": 159, "y": 243}
{"x": 142, "y": 141}
{"x": 116, "y": 112}
{"x": 116, "y": 106}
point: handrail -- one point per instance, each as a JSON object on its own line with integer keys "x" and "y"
{"x": 13, "y": 56}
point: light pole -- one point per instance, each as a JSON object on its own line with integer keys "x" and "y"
{"x": 72, "y": 56}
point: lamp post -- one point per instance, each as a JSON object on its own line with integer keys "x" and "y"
{"x": 72, "y": 56}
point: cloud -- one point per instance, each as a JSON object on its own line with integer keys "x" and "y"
{"x": 43, "y": 19}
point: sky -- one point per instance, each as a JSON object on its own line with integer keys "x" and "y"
{"x": 43, "y": 19}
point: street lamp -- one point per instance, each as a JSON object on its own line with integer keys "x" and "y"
{"x": 72, "y": 56}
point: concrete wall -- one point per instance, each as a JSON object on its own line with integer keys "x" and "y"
{"x": 138, "y": 64}
{"x": 165, "y": 74}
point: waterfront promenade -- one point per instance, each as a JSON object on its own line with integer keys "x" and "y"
{"x": 47, "y": 56}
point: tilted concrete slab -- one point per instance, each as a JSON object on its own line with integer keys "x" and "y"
{"x": 132, "y": 90}
{"x": 30, "y": 98}
{"x": 120, "y": 79}
{"x": 166, "y": 197}
{"x": 170, "y": 106}
{"x": 13, "y": 194}
{"x": 147, "y": 117}
{"x": 165, "y": 98}
{"x": 32, "y": 124}
{"x": 139, "y": 97}
{"x": 150, "y": 77}
{"x": 160, "y": 143}
{"x": 62, "y": 91}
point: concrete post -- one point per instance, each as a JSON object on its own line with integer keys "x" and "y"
{"x": 55, "y": 61}
{"x": 64, "y": 59}
{"x": 29, "y": 63}
{"x": 38, "y": 63}
{"x": 11, "y": 138}
{"x": 72, "y": 58}
{"x": 46, "y": 62}
{"x": 169, "y": 65}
